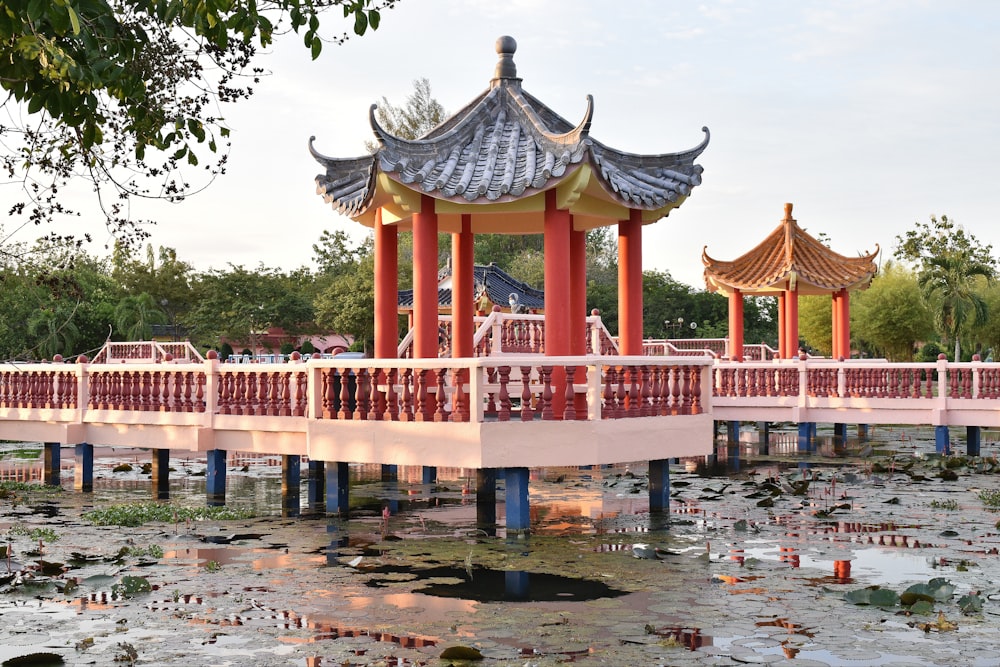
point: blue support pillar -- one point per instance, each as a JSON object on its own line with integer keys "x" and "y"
{"x": 733, "y": 431}
{"x": 659, "y": 485}
{"x": 516, "y": 585}
{"x": 338, "y": 489}
{"x": 973, "y": 440}
{"x": 486, "y": 500}
{"x": 390, "y": 472}
{"x": 83, "y": 479}
{"x": 291, "y": 481}
{"x": 764, "y": 435}
{"x": 518, "y": 515}
{"x": 215, "y": 477}
{"x": 839, "y": 435}
{"x": 862, "y": 432}
{"x": 806, "y": 433}
{"x": 429, "y": 474}
{"x": 160, "y": 473}
{"x": 51, "y": 464}
{"x": 942, "y": 445}
{"x": 316, "y": 482}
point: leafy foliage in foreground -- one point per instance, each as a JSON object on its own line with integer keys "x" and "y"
{"x": 137, "y": 514}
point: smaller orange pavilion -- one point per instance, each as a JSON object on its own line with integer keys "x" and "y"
{"x": 787, "y": 263}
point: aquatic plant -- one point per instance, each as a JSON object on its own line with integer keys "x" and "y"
{"x": 137, "y": 514}
{"x": 35, "y": 534}
{"x": 918, "y": 599}
{"x": 950, "y": 504}
{"x": 990, "y": 498}
{"x": 130, "y": 586}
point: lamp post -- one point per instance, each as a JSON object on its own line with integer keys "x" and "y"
{"x": 676, "y": 326}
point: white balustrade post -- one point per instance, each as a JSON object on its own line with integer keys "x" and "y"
{"x": 496, "y": 333}
{"x": 943, "y": 370}
{"x": 841, "y": 379}
{"x": 594, "y": 392}
{"x": 477, "y": 378}
{"x": 82, "y": 388}
{"x": 211, "y": 388}
{"x": 314, "y": 390}
{"x": 803, "y": 381}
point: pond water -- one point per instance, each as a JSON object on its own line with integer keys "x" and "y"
{"x": 750, "y": 566}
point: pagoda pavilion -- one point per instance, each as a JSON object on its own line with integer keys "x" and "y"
{"x": 787, "y": 263}
{"x": 505, "y": 164}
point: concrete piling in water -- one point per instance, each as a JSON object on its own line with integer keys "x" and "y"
{"x": 83, "y": 479}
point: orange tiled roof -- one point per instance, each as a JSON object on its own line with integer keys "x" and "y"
{"x": 789, "y": 254}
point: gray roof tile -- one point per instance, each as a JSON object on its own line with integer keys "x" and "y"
{"x": 506, "y": 143}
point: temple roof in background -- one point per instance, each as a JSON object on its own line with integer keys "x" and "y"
{"x": 501, "y": 148}
{"x": 491, "y": 282}
{"x": 789, "y": 254}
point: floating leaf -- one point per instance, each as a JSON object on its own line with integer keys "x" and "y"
{"x": 970, "y": 604}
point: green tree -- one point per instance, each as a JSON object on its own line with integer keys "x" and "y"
{"x": 347, "y": 304}
{"x": 949, "y": 282}
{"x": 135, "y": 316}
{"x": 421, "y": 114}
{"x": 890, "y": 318}
{"x": 941, "y": 236}
{"x": 816, "y": 323}
{"x": 54, "y": 330}
{"x": 239, "y": 305}
{"x": 124, "y": 93}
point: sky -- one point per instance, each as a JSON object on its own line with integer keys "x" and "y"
{"x": 867, "y": 116}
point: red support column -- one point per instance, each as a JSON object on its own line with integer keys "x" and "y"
{"x": 386, "y": 289}
{"x": 630, "y": 284}
{"x": 835, "y": 333}
{"x": 578, "y": 291}
{"x": 792, "y": 322}
{"x": 463, "y": 308}
{"x": 782, "y": 347}
{"x": 578, "y": 314}
{"x": 558, "y": 299}
{"x": 845, "y": 323}
{"x": 425, "y": 281}
{"x": 736, "y": 325}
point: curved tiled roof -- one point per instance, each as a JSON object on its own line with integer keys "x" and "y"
{"x": 789, "y": 253}
{"x": 491, "y": 279}
{"x": 503, "y": 145}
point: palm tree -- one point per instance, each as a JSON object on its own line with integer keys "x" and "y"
{"x": 135, "y": 316}
{"x": 949, "y": 283}
{"x": 56, "y": 330}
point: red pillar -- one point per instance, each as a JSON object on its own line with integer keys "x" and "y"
{"x": 425, "y": 281}
{"x": 845, "y": 323}
{"x": 736, "y": 325}
{"x": 835, "y": 333}
{"x": 463, "y": 309}
{"x": 386, "y": 289}
{"x": 578, "y": 314}
{"x": 558, "y": 299}
{"x": 792, "y": 322}
{"x": 630, "y": 284}
{"x": 578, "y": 291}
{"x": 782, "y": 351}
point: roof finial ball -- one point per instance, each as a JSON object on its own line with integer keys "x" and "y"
{"x": 506, "y": 46}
